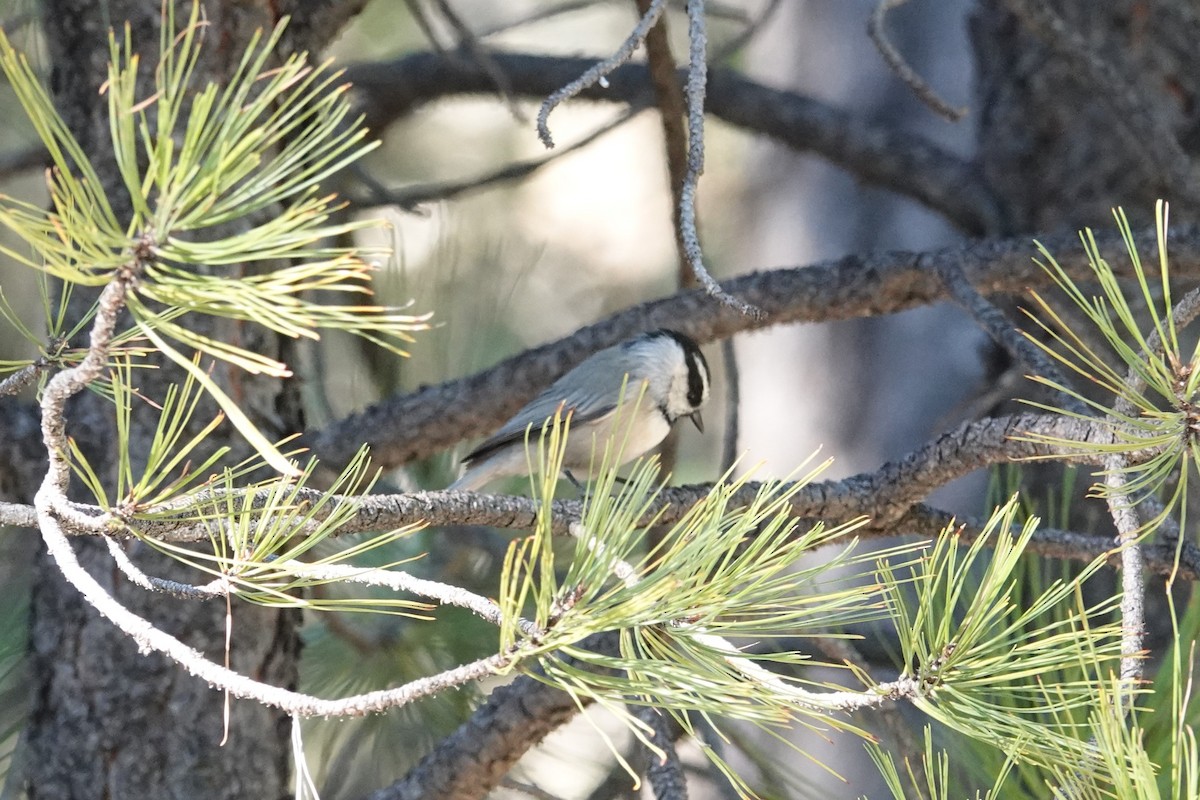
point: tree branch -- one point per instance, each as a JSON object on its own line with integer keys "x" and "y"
{"x": 902, "y": 162}
{"x": 475, "y": 757}
{"x": 889, "y": 497}
{"x": 404, "y": 428}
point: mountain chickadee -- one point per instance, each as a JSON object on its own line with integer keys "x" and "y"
{"x": 664, "y": 368}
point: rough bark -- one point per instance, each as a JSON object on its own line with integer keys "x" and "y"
{"x": 1052, "y": 144}
{"x": 108, "y": 721}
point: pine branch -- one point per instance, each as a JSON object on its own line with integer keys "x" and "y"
{"x": 889, "y": 496}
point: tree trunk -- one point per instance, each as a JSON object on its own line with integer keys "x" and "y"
{"x": 1054, "y": 143}
{"x": 108, "y": 721}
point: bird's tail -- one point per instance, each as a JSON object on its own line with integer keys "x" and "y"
{"x": 471, "y": 481}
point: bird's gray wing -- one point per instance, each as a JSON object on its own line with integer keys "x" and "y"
{"x": 536, "y": 414}
{"x": 588, "y": 395}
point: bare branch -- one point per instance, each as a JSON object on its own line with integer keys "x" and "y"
{"x": 182, "y": 591}
{"x": 753, "y": 26}
{"x": 469, "y": 45}
{"x": 1123, "y": 509}
{"x": 665, "y": 772}
{"x": 695, "y": 88}
{"x": 480, "y": 753}
{"x": 889, "y": 497}
{"x": 1001, "y": 330}
{"x": 406, "y": 427}
{"x": 21, "y": 379}
{"x": 923, "y": 91}
{"x": 410, "y": 197}
{"x": 598, "y": 73}
{"x": 877, "y": 154}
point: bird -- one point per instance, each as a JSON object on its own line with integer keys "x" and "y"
{"x": 665, "y": 377}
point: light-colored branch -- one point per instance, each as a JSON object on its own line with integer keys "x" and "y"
{"x": 183, "y": 591}
{"x": 51, "y": 505}
{"x": 403, "y": 582}
{"x": 1133, "y": 582}
{"x": 150, "y": 638}
{"x": 598, "y": 72}
{"x": 890, "y": 496}
{"x": 1122, "y": 508}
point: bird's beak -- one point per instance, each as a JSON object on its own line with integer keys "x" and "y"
{"x": 697, "y": 420}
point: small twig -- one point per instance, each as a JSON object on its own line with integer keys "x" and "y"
{"x": 1122, "y": 508}
{"x": 890, "y": 717}
{"x": 598, "y": 71}
{"x": 426, "y": 27}
{"x": 469, "y": 43}
{"x": 753, "y": 671}
{"x": 403, "y": 582}
{"x": 21, "y": 378}
{"x": 183, "y": 591}
{"x": 534, "y": 791}
{"x": 664, "y": 769}
{"x": 733, "y": 406}
{"x": 845, "y": 701}
{"x": 538, "y": 15}
{"x": 923, "y": 91}
{"x": 1001, "y": 330}
{"x": 410, "y": 197}
{"x": 1133, "y": 582}
{"x": 695, "y": 88}
{"x": 747, "y": 33}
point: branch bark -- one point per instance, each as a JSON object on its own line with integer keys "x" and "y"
{"x": 877, "y": 154}
{"x": 404, "y": 428}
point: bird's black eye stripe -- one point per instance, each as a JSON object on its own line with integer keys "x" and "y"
{"x": 697, "y": 376}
